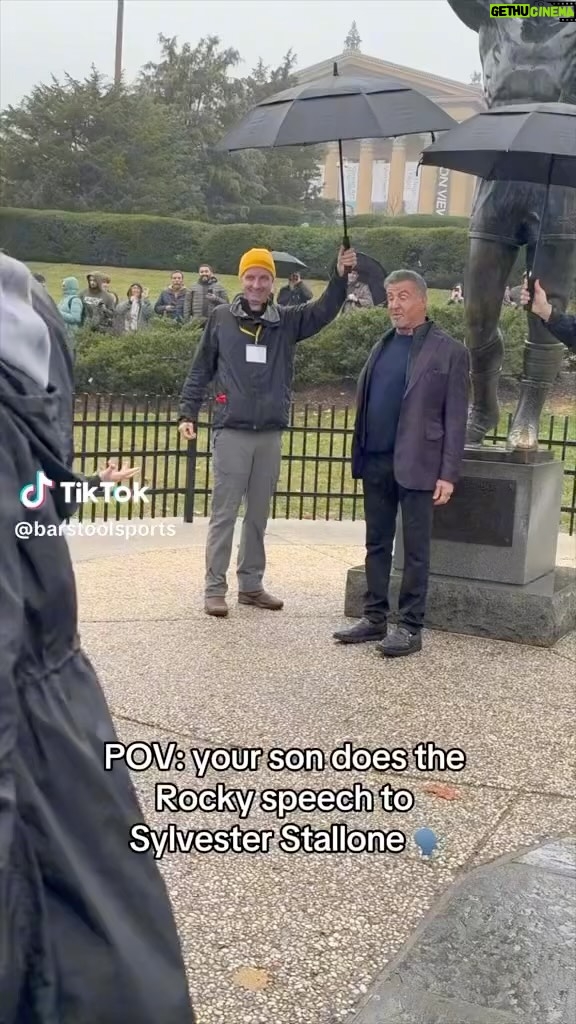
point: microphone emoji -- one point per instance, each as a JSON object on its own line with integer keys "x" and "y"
{"x": 426, "y": 841}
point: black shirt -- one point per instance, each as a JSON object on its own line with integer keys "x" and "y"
{"x": 386, "y": 391}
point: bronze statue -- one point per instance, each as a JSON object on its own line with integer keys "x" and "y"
{"x": 523, "y": 61}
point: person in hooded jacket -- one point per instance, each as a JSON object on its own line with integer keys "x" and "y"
{"x": 99, "y": 303}
{"x": 87, "y": 934}
{"x": 71, "y": 306}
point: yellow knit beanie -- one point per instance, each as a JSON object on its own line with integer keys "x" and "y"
{"x": 260, "y": 258}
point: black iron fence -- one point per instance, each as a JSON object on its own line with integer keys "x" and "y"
{"x": 315, "y": 480}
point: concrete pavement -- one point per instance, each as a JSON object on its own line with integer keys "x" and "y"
{"x": 284, "y": 938}
{"x": 499, "y": 949}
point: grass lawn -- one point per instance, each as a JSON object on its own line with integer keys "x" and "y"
{"x": 154, "y": 280}
{"x": 315, "y": 480}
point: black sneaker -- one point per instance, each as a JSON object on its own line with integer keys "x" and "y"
{"x": 400, "y": 643}
{"x": 362, "y": 633}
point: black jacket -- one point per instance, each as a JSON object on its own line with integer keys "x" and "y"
{"x": 563, "y": 327}
{"x": 296, "y": 296}
{"x": 86, "y": 930}
{"x": 254, "y": 395}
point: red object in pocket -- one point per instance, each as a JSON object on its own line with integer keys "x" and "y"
{"x": 222, "y": 399}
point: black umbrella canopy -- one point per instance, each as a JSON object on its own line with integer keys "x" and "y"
{"x": 336, "y": 108}
{"x": 528, "y": 142}
{"x": 287, "y": 264}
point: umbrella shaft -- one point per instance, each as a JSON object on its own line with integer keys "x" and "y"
{"x": 346, "y": 240}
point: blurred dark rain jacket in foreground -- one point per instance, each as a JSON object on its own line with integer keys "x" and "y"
{"x": 86, "y": 929}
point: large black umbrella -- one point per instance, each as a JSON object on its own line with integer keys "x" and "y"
{"x": 526, "y": 142}
{"x": 531, "y": 142}
{"x": 334, "y": 109}
{"x": 287, "y": 264}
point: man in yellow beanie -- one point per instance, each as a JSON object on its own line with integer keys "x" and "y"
{"x": 247, "y": 351}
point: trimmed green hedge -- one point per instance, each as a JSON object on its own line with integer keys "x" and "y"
{"x": 407, "y": 220}
{"x": 161, "y": 243}
{"x": 287, "y": 215}
{"x": 156, "y": 361}
{"x": 102, "y": 239}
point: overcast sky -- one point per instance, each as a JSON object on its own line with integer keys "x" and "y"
{"x": 43, "y": 37}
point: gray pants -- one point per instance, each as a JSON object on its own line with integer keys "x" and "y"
{"x": 246, "y": 464}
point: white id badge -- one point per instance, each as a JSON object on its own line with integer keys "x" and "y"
{"x": 255, "y": 353}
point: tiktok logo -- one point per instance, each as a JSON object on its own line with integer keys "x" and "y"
{"x": 34, "y": 495}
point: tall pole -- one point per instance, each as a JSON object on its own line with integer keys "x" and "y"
{"x": 119, "y": 35}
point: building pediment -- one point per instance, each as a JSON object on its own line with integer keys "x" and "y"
{"x": 441, "y": 90}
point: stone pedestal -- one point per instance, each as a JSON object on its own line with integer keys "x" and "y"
{"x": 493, "y": 570}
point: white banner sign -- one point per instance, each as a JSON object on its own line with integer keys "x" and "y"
{"x": 411, "y": 187}
{"x": 380, "y": 181}
{"x": 350, "y": 182}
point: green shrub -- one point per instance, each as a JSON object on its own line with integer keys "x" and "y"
{"x": 156, "y": 361}
{"x": 407, "y": 220}
{"x": 153, "y": 362}
{"x": 102, "y": 239}
{"x": 316, "y": 247}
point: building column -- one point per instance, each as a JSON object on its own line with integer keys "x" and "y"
{"x": 427, "y": 178}
{"x": 397, "y": 173}
{"x": 427, "y": 189}
{"x": 331, "y": 173}
{"x": 459, "y": 205}
{"x": 364, "y": 194}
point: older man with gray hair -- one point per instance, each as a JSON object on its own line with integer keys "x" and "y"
{"x": 408, "y": 444}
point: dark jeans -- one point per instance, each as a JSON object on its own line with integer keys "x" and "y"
{"x": 382, "y": 495}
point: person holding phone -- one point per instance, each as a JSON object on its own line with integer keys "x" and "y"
{"x": 134, "y": 313}
{"x": 561, "y": 325}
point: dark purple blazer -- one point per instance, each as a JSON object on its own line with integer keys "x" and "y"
{"x": 432, "y": 425}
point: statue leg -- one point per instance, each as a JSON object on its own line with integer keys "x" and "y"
{"x": 489, "y": 266}
{"x": 543, "y": 355}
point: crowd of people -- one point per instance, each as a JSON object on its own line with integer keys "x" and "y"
{"x": 101, "y": 309}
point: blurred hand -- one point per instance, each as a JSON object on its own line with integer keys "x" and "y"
{"x": 187, "y": 430}
{"x": 145, "y": 293}
{"x": 443, "y": 492}
{"x": 540, "y": 305}
{"x": 346, "y": 261}
{"x": 115, "y": 475}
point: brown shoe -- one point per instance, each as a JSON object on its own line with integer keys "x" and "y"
{"x": 216, "y": 606}
{"x": 260, "y": 599}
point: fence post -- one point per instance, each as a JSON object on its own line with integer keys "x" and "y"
{"x": 190, "y": 484}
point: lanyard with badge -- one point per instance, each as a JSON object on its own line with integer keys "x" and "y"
{"x": 255, "y": 353}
